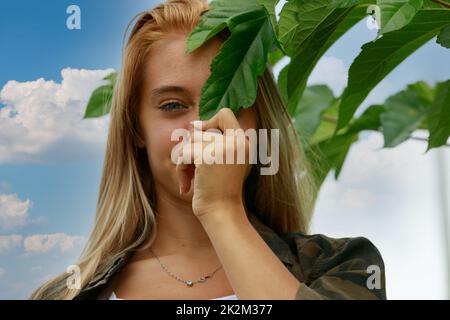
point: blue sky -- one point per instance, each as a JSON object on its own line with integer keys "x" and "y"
{"x": 40, "y": 45}
{"x": 63, "y": 194}
{"x": 49, "y": 175}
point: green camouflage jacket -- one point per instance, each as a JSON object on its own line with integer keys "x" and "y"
{"x": 328, "y": 268}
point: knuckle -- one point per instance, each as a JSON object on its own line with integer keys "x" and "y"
{"x": 225, "y": 111}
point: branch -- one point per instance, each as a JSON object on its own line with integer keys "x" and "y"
{"x": 328, "y": 118}
{"x": 332, "y": 119}
{"x": 442, "y": 3}
{"x": 425, "y": 140}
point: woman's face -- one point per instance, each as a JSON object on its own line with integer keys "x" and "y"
{"x": 170, "y": 97}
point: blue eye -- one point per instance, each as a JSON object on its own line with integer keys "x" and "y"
{"x": 171, "y": 107}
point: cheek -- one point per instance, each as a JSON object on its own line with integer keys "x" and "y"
{"x": 160, "y": 145}
{"x": 159, "y": 141}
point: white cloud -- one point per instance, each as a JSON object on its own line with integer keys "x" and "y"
{"x": 42, "y": 120}
{"x": 9, "y": 242}
{"x": 43, "y": 243}
{"x": 280, "y": 65}
{"x": 2, "y": 271}
{"x": 13, "y": 211}
{"x": 391, "y": 196}
{"x": 278, "y": 8}
{"x": 330, "y": 71}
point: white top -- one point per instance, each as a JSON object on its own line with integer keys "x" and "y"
{"x": 230, "y": 297}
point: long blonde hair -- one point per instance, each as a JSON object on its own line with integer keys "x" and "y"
{"x": 125, "y": 219}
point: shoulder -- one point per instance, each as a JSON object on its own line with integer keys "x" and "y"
{"x": 338, "y": 268}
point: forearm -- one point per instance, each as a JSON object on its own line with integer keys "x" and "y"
{"x": 252, "y": 268}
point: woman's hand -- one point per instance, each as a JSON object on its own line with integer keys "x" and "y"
{"x": 217, "y": 187}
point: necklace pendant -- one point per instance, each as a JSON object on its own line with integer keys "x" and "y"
{"x": 189, "y": 283}
{"x": 202, "y": 279}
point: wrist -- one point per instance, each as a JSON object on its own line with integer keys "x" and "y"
{"x": 222, "y": 214}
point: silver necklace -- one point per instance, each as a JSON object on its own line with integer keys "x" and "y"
{"x": 189, "y": 283}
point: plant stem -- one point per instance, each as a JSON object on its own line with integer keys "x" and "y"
{"x": 332, "y": 119}
{"x": 425, "y": 140}
{"x": 442, "y": 3}
{"x": 328, "y": 118}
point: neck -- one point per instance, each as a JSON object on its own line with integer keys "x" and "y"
{"x": 178, "y": 230}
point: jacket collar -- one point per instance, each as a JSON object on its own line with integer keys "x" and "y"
{"x": 272, "y": 239}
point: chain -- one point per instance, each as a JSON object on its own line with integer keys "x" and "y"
{"x": 189, "y": 283}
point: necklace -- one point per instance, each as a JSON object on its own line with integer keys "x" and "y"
{"x": 189, "y": 283}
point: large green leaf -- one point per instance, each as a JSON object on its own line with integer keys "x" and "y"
{"x": 439, "y": 117}
{"x": 395, "y": 14}
{"x": 327, "y": 33}
{"x": 330, "y": 154}
{"x": 216, "y": 19}
{"x": 327, "y": 125}
{"x": 379, "y": 58}
{"x": 430, "y": 4}
{"x": 405, "y": 111}
{"x": 299, "y": 19}
{"x": 242, "y": 58}
{"x": 282, "y": 84}
{"x": 315, "y": 100}
{"x": 327, "y": 151}
{"x": 275, "y": 57}
{"x": 443, "y": 37}
{"x": 270, "y": 7}
{"x": 330, "y": 151}
{"x": 100, "y": 101}
{"x": 424, "y": 91}
{"x": 369, "y": 120}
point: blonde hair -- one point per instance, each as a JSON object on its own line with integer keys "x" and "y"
{"x": 125, "y": 219}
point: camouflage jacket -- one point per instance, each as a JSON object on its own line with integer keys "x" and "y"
{"x": 328, "y": 268}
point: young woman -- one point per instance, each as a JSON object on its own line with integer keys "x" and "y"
{"x": 166, "y": 230}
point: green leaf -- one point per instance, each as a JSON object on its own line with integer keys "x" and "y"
{"x": 369, "y": 120}
{"x": 270, "y": 7}
{"x": 443, "y": 37}
{"x": 216, "y": 19}
{"x": 327, "y": 33}
{"x": 282, "y": 83}
{"x": 299, "y": 19}
{"x": 242, "y": 58}
{"x": 100, "y": 101}
{"x": 439, "y": 117}
{"x": 345, "y": 3}
{"x": 275, "y": 56}
{"x": 424, "y": 91}
{"x": 315, "y": 100}
{"x": 395, "y": 14}
{"x": 379, "y": 58}
{"x": 327, "y": 125}
{"x": 330, "y": 154}
{"x": 430, "y": 4}
{"x": 405, "y": 111}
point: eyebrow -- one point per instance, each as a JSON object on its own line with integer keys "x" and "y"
{"x": 168, "y": 88}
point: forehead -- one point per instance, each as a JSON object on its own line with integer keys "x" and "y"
{"x": 169, "y": 64}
